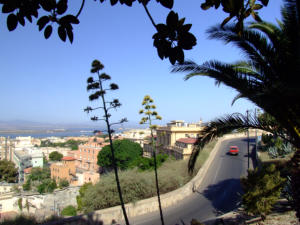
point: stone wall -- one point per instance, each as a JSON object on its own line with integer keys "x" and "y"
{"x": 44, "y": 205}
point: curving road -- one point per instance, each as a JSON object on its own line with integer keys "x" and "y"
{"x": 218, "y": 193}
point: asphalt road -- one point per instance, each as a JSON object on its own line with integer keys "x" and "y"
{"x": 219, "y": 192}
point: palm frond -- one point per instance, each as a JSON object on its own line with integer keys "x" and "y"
{"x": 237, "y": 97}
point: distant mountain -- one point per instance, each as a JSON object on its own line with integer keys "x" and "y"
{"x": 31, "y": 125}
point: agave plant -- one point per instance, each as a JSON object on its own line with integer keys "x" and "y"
{"x": 267, "y": 77}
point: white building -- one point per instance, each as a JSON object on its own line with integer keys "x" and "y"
{"x": 137, "y": 135}
{"x": 23, "y": 142}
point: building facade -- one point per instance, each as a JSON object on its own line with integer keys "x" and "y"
{"x": 137, "y": 135}
{"x": 64, "y": 170}
{"x": 87, "y": 155}
{"x": 22, "y": 160}
{"x": 177, "y": 139}
{"x": 6, "y": 148}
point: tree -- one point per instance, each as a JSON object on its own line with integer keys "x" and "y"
{"x": 262, "y": 189}
{"x": 97, "y": 86}
{"x": 150, "y": 115}
{"x": 8, "y": 172}
{"x": 47, "y": 185}
{"x": 55, "y": 156}
{"x": 126, "y": 154}
{"x": 63, "y": 183}
{"x": 171, "y": 38}
{"x": 39, "y": 174}
{"x": 268, "y": 78}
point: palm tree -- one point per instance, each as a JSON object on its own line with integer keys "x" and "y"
{"x": 267, "y": 77}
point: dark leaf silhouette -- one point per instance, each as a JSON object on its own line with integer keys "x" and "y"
{"x": 12, "y": 22}
{"x": 48, "y": 31}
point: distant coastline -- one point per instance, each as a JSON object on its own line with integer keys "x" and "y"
{"x": 46, "y": 133}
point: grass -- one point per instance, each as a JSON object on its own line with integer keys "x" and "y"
{"x": 140, "y": 185}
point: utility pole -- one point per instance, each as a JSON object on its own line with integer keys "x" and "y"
{"x": 248, "y": 138}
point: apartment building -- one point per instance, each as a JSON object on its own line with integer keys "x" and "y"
{"x": 64, "y": 170}
{"x": 6, "y": 148}
{"x": 177, "y": 139}
{"x": 86, "y": 155}
{"x": 23, "y": 142}
{"x": 22, "y": 160}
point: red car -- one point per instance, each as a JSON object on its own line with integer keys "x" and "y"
{"x": 233, "y": 150}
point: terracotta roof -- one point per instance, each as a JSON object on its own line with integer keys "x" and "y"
{"x": 68, "y": 158}
{"x": 28, "y": 170}
{"x": 187, "y": 140}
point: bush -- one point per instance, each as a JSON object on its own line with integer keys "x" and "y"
{"x": 69, "y": 211}
{"x": 48, "y": 185}
{"x": 27, "y": 185}
{"x": 79, "y": 197}
{"x": 148, "y": 163}
{"x": 262, "y": 189}
{"x": 63, "y": 183}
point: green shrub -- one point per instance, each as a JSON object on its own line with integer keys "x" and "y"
{"x": 262, "y": 189}
{"x": 79, "y": 197}
{"x": 148, "y": 163}
{"x": 63, "y": 183}
{"x": 69, "y": 211}
{"x": 27, "y": 185}
{"x": 48, "y": 185}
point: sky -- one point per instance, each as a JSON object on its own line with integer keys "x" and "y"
{"x": 45, "y": 80}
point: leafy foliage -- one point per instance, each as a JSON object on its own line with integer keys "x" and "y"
{"x": 47, "y": 185}
{"x": 79, "y": 197}
{"x": 239, "y": 9}
{"x": 39, "y": 174}
{"x": 55, "y": 156}
{"x": 148, "y": 163}
{"x": 171, "y": 38}
{"x": 126, "y": 154}
{"x": 69, "y": 211}
{"x": 63, "y": 183}
{"x": 8, "y": 171}
{"x": 262, "y": 189}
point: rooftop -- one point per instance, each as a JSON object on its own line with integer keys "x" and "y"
{"x": 187, "y": 140}
{"x": 68, "y": 158}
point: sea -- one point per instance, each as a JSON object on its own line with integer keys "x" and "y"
{"x": 47, "y": 133}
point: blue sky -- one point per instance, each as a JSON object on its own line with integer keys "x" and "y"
{"x": 45, "y": 80}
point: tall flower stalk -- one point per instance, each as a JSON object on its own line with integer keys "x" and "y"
{"x": 149, "y": 115}
{"x": 96, "y": 85}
